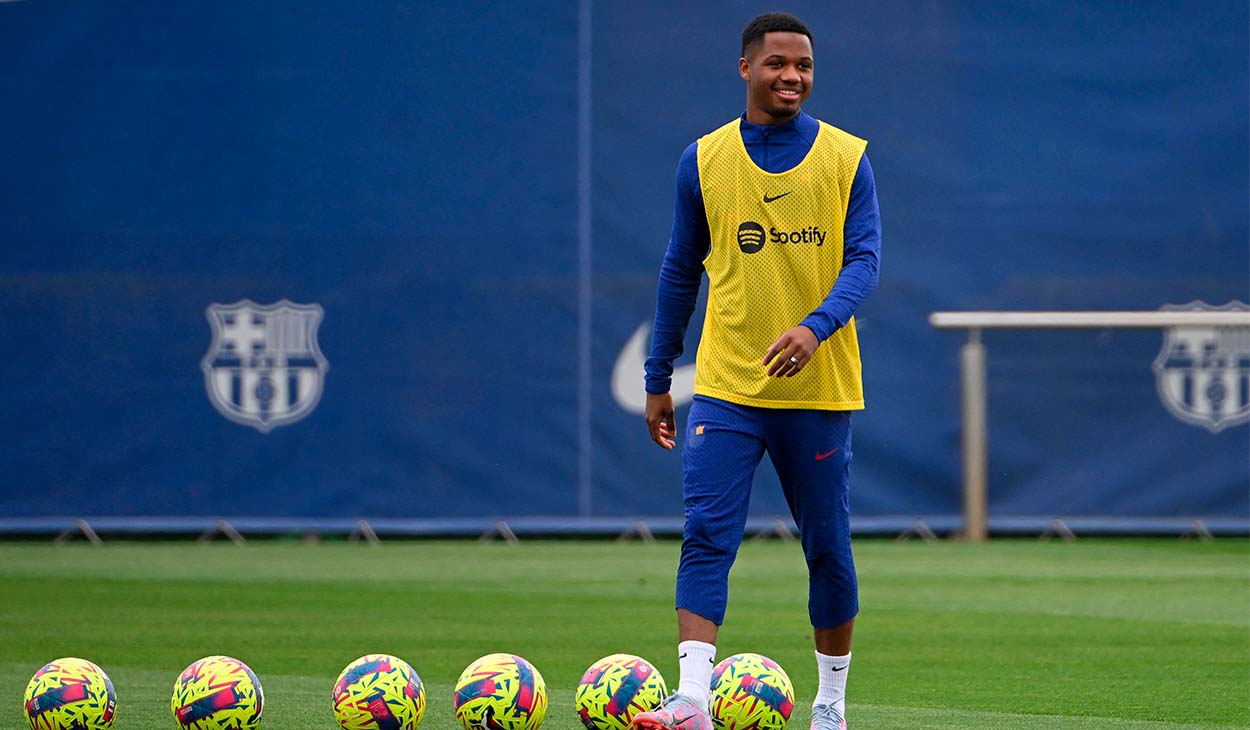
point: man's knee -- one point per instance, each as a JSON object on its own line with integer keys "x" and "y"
{"x": 833, "y": 596}
{"x": 710, "y": 535}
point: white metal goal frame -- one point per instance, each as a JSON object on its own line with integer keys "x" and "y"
{"x": 972, "y": 376}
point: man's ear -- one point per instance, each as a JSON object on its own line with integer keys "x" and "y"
{"x": 744, "y": 69}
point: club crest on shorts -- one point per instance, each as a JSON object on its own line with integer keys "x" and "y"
{"x": 264, "y": 368}
{"x": 1203, "y": 373}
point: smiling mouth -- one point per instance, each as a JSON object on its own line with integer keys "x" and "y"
{"x": 787, "y": 93}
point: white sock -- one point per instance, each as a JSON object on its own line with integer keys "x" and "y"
{"x": 696, "y": 659}
{"x": 833, "y": 671}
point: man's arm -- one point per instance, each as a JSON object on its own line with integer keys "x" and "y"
{"x": 676, "y": 294}
{"x": 861, "y": 257}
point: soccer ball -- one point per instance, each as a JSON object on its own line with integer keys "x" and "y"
{"x": 70, "y": 694}
{"x": 379, "y": 691}
{"x": 750, "y": 692}
{"x": 501, "y": 692}
{"x": 616, "y": 688}
{"x": 217, "y": 693}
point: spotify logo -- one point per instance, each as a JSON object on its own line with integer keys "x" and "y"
{"x": 750, "y": 237}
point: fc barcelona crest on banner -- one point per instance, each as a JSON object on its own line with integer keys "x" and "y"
{"x": 263, "y": 368}
{"x": 1203, "y": 373}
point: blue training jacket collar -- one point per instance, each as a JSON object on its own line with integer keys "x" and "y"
{"x": 802, "y": 127}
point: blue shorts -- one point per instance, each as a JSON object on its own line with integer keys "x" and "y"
{"x": 811, "y": 451}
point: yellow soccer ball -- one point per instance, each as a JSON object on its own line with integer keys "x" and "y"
{"x": 616, "y": 688}
{"x": 217, "y": 693}
{"x": 750, "y": 692}
{"x": 379, "y": 692}
{"x": 70, "y": 694}
{"x": 501, "y": 692}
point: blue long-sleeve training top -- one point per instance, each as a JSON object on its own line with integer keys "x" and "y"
{"x": 775, "y": 148}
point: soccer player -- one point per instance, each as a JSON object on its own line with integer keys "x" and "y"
{"x": 780, "y": 210}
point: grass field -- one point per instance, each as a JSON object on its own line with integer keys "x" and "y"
{"x": 1096, "y": 634}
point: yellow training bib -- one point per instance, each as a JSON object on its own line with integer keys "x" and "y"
{"x": 776, "y": 253}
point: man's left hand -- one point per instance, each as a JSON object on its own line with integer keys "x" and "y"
{"x": 791, "y": 351}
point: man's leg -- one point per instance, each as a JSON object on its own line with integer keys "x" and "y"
{"x": 833, "y": 662}
{"x": 835, "y": 641}
{"x": 721, "y": 452}
{"x": 693, "y": 627}
{"x": 812, "y": 453}
{"x": 696, "y": 656}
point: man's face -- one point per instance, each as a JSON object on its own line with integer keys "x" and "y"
{"x": 778, "y": 72}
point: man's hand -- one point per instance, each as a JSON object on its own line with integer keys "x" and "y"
{"x": 789, "y": 353}
{"x": 661, "y": 421}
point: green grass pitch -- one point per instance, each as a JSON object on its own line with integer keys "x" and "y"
{"x": 1093, "y": 635}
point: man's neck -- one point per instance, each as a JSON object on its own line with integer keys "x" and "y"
{"x": 764, "y": 119}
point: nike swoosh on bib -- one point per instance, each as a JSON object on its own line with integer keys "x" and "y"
{"x": 776, "y": 197}
{"x": 629, "y": 373}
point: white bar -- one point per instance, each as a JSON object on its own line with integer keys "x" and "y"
{"x": 974, "y": 440}
{"x": 1032, "y": 320}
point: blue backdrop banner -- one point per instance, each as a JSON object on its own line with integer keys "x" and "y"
{"x": 398, "y": 259}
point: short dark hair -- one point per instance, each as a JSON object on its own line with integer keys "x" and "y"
{"x": 771, "y": 23}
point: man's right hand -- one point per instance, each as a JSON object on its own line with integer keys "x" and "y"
{"x": 661, "y": 421}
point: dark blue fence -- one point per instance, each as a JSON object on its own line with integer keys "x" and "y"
{"x": 449, "y": 219}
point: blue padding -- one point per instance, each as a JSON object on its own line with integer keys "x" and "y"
{"x": 660, "y": 526}
{"x": 478, "y": 349}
